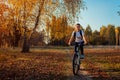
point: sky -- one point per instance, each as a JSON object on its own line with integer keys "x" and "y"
{"x": 100, "y": 12}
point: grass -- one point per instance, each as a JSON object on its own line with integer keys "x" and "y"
{"x": 55, "y": 63}
{"x": 103, "y": 63}
{"x": 38, "y": 64}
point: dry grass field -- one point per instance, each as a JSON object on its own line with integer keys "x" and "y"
{"x": 55, "y": 64}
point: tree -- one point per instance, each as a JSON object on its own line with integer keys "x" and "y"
{"x": 22, "y": 14}
{"x": 57, "y": 28}
{"x": 103, "y": 30}
{"x": 31, "y": 11}
{"x": 38, "y": 39}
{"x": 59, "y": 25}
{"x": 96, "y": 38}
{"x": 88, "y": 33}
{"x": 4, "y": 30}
{"x": 117, "y": 31}
{"x": 110, "y": 34}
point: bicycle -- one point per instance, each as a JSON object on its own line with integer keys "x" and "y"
{"x": 76, "y": 61}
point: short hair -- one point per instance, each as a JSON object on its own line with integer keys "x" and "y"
{"x": 78, "y": 24}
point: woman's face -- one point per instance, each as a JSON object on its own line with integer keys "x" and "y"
{"x": 77, "y": 27}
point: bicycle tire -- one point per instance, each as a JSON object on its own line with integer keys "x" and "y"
{"x": 75, "y": 65}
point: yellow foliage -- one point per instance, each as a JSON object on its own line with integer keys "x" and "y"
{"x": 58, "y": 28}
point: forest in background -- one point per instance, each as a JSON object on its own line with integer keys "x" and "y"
{"x": 59, "y": 31}
{"x": 19, "y": 24}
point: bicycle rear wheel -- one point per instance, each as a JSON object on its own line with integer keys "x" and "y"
{"x": 75, "y": 64}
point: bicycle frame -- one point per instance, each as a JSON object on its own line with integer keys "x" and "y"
{"x": 79, "y": 54}
{"x": 76, "y": 61}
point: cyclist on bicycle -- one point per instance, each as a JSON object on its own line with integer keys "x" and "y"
{"x": 78, "y": 36}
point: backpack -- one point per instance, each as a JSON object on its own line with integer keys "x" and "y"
{"x": 80, "y": 34}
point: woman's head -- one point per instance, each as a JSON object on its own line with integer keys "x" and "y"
{"x": 77, "y": 27}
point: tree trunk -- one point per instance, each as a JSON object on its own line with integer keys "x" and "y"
{"x": 26, "y": 47}
{"x": 26, "y": 44}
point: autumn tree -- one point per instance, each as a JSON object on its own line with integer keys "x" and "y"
{"x": 22, "y": 14}
{"x": 58, "y": 8}
{"x": 96, "y": 40}
{"x": 88, "y": 33}
{"x": 117, "y": 31}
{"x": 4, "y": 30}
{"x": 38, "y": 38}
{"x": 12, "y": 25}
{"x": 59, "y": 30}
{"x": 31, "y": 13}
{"x": 104, "y": 39}
{"x": 110, "y": 34}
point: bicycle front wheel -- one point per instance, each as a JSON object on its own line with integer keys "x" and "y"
{"x": 75, "y": 64}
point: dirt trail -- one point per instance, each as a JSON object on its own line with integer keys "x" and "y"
{"x": 82, "y": 75}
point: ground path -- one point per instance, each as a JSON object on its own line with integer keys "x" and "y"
{"x": 82, "y": 75}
